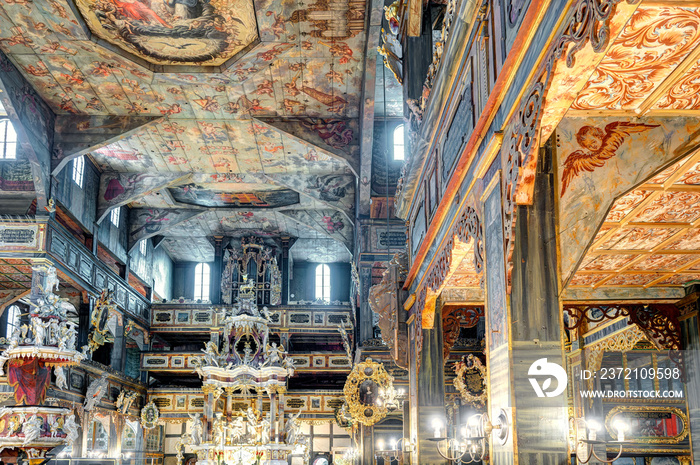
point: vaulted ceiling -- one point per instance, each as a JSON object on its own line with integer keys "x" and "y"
{"x": 243, "y": 114}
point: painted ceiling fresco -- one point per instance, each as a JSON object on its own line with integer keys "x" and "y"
{"x": 173, "y": 31}
{"x": 652, "y": 65}
{"x": 650, "y": 235}
{"x": 251, "y": 99}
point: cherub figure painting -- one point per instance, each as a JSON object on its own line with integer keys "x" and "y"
{"x": 599, "y": 145}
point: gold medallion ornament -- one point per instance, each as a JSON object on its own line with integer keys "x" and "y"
{"x": 149, "y": 416}
{"x": 98, "y": 320}
{"x": 362, "y": 390}
{"x": 470, "y": 380}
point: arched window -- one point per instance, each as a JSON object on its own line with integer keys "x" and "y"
{"x": 129, "y": 437}
{"x": 201, "y": 282}
{"x": 78, "y": 170}
{"x": 398, "y": 143}
{"x": 98, "y": 439}
{"x": 142, "y": 247}
{"x": 8, "y": 139}
{"x": 13, "y": 316}
{"x": 323, "y": 283}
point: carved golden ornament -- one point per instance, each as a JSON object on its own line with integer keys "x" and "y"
{"x": 149, "y": 416}
{"x": 230, "y": 390}
{"x": 213, "y": 389}
{"x": 648, "y": 413}
{"x": 98, "y": 320}
{"x": 362, "y": 392}
{"x": 621, "y": 342}
{"x": 471, "y": 380}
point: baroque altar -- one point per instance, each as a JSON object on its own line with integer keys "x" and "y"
{"x": 242, "y": 361}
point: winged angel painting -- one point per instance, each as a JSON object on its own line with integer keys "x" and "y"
{"x": 174, "y": 31}
{"x": 599, "y": 145}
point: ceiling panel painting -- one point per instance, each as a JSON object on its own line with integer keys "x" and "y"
{"x": 167, "y": 32}
{"x": 656, "y": 243}
{"x": 193, "y": 194}
{"x": 655, "y": 40}
{"x": 602, "y": 159}
{"x": 206, "y": 70}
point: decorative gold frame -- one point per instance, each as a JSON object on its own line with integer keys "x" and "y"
{"x": 648, "y": 439}
{"x": 366, "y": 371}
{"x": 98, "y": 320}
{"x": 150, "y": 409}
{"x": 461, "y": 368}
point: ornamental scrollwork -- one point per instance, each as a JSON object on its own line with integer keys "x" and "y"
{"x": 452, "y": 320}
{"x": 471, "y": 380}
{"x": 659, "y": 322}
{"x": 99, "y": 318}
{"x": 589, "y": 22}
{"x": 467, "y": 227}
{"x": 362, "y": 391}
{"x": 149, "y": 416}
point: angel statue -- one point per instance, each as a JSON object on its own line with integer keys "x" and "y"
{"x": 70, "y": 427}
{"x": 95, "y": 392}
{"x": 211, "y": 354}
{"x": 196, "y": 429}
{"x": 253, "y": 423}
{"x": 265, "y": 431}
{"x": 218, "y": 429}
{"x": 273, "y": 355}
{"x": 61, "y": 381}
{"x": 247, "y": 354}
{"x": 288, "y": 364}
{"x": 291, "y": 428}
{"x": 39, "y": 328}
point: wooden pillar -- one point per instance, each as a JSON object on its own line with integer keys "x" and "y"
{"x": 287, "y": 243}
{"x": 217, "y": 268}
{"x": 427, "y": 386}
{"x": 367, "y": 445}
{"x": 525, "y": 326}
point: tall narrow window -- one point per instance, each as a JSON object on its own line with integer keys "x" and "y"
{"x": 78, "y": 170}
{"x": 398, "y": 143}
{"x": 114, "y": 216}
{"x": 323, "y": 283}
{"x": 201, "y": 282}
{"x": 142, "y": 247}
{"x": 13, "y": 316}
{"x": 8, "y": 138}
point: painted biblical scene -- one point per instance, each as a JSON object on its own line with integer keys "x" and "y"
{"x": 197, "y": 195}
{"x": 174, "y": 32}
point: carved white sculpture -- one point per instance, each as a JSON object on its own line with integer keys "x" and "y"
{"x": 32, "y": 429}
{"x": 61, "y": 381}
{"x": 95, "y": 392}
{"x": 70, "y": 427}
{"x": 196, "y": 429}
{"x": 273, "y": 355}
